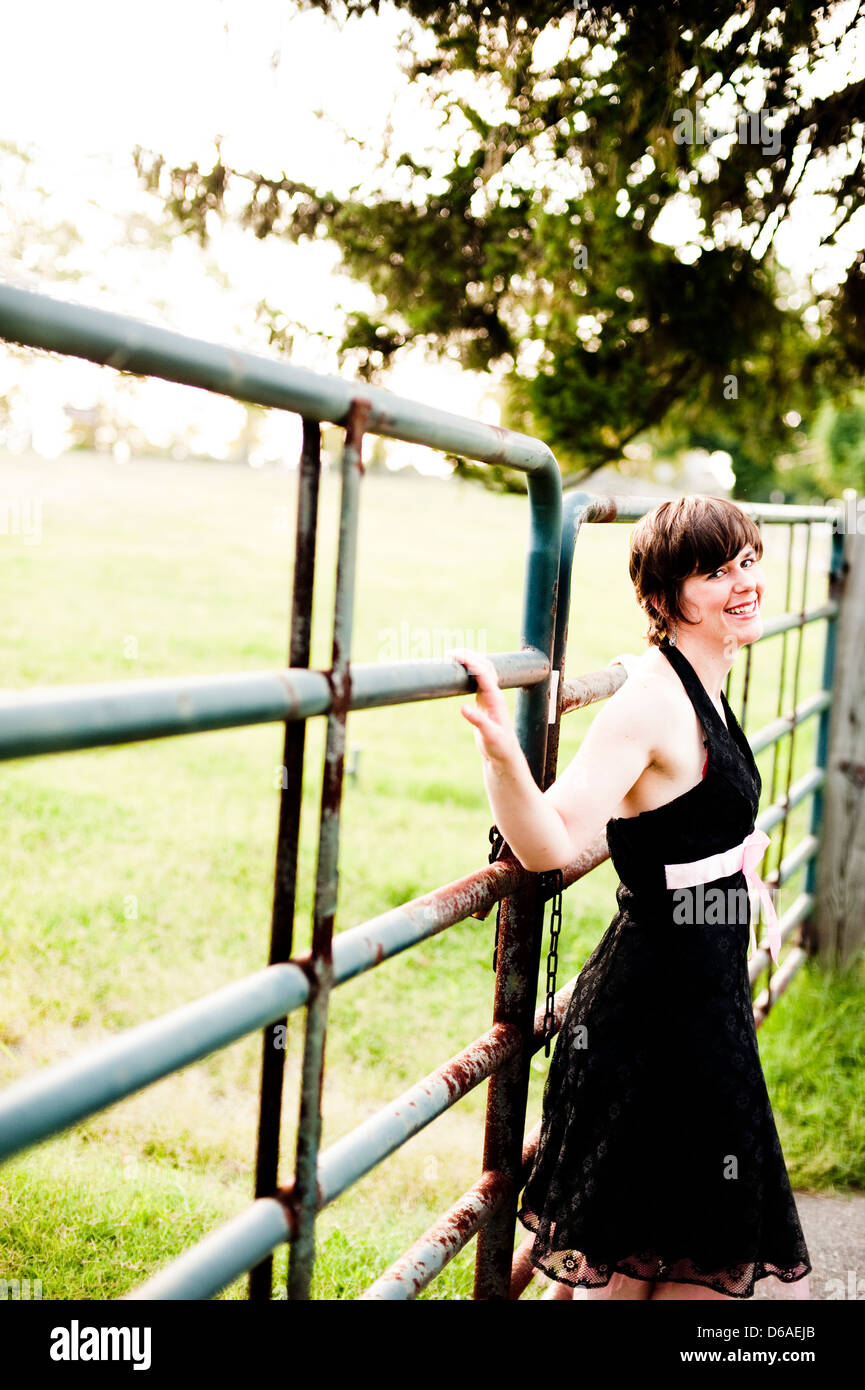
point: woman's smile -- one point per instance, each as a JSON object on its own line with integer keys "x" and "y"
{"x": 744, "y": 610}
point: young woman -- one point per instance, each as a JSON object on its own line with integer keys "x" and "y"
{"x": 659, "y": 1172}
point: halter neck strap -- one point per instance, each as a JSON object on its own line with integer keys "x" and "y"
{"x": 697, "y": 692}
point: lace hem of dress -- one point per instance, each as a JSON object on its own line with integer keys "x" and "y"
{"x": 575, "y": 1268}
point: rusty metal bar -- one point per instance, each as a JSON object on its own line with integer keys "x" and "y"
{"x": 437, "y": 1246}
{"x": 351, "y": 1157}
{"x": 588, "y": 689}
{"x": 287, "y": 838}
{"x": 320, "y": 964}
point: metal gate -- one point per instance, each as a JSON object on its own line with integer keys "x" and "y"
{"x": 124, "y": 712}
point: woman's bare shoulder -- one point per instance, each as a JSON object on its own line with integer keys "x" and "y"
{"x": 649, "y": 705}
{"x": 650, "y": 682}
{"x": 643, "y": 710}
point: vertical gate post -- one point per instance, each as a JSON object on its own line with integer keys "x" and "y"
{"x": 288, "y": 837}
{"x": 305, "y": 1191}
{"x": 522, "y": 915}
{"x": 839, "y": 920}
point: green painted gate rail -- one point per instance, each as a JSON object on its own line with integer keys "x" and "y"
{"x": 97, "y": 715}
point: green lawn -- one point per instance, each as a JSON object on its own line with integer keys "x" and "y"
{"x": 138, "y": 878}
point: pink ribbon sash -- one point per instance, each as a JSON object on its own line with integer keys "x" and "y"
{"x": 746, "y": 857}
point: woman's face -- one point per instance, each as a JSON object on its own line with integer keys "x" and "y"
{"x": 710, "y": 599}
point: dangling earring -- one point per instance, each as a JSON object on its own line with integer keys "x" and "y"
{"x": 673, "y": 635}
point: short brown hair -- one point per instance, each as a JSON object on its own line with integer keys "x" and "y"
{"x": 685, "y": 536}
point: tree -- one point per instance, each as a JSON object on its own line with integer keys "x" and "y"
{"x": 540, "y": 240}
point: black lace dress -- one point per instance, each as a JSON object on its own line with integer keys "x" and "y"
{"x": 658, "y": 1154}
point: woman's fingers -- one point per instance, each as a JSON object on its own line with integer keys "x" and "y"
{"x": 480, "y": 666}
{"x": 475, "y": 716}
{"x": 485, "y": 674}
{"x": 489, "y": 716}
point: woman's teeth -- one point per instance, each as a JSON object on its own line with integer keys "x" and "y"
{"x": 743, "y": 609}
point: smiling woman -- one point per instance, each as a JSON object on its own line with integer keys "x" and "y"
{"x": 659, "y": 1173}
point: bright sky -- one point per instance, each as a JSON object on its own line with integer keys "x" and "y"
{"x": 174, "y": 74}
{"x": 84, "y": 83}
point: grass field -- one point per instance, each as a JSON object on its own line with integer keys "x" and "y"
{"x": 137, "y": 878}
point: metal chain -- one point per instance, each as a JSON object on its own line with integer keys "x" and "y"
{"x": 552, "y": 879}
{"x": 497, "y": 839}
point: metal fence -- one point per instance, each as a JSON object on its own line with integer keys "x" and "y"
{"x": 129, "y": 711}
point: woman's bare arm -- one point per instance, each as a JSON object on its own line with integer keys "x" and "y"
{"x": 617, "y": 748}
{"x": 547, "y": 830}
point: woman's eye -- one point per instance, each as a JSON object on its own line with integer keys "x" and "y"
{"x": 749, "y": 560}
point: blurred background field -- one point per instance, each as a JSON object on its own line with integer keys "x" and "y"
{"x": 137, "y": 878}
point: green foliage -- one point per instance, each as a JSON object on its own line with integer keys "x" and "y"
{"x": 845, "y": 442}
{"x": 535, "y": 252}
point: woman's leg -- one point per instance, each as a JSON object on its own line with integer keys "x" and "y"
{"x": 622, "y": 1286}
{"x": 667, "y": 1290}
{"x": 559, "y": 1290}
{"x": 800, "y": 1289}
